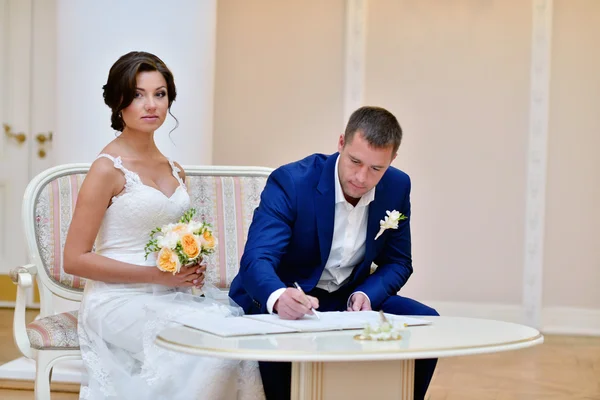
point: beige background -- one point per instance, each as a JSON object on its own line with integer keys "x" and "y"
{"x": 460, "y": 88}
{"x": 572, "y": 252}
{"x": 457, "y": 75}
{"x": 278, "y": 81}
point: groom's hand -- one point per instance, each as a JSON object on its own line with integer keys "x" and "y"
{"x": 359, "y": 302}
{"x": 293, "y": 304}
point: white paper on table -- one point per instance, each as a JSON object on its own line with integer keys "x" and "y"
{"x": 337, "y": 320}
{"x": 271, "y": 323}
{"x": 229, "y": 326}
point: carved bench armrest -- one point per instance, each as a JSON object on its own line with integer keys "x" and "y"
{"x": 24, "y": 274}
{"x": 23, "y": 278}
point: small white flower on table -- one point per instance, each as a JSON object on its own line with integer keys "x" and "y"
{"x": 390, "y": 221}
{"x": 383, "y": 331}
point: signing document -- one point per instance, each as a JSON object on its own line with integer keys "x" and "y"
{"x": 262, "y": 324}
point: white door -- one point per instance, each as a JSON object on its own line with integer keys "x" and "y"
{"x": 15, "y": 72}
{"x": 43, "y": 85}
{"x": 26, "y": 109}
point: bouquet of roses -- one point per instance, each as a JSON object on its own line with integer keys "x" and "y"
{"x": 182, "y": 243}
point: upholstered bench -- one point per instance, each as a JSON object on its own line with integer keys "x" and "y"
{"x": 223, "y": 196}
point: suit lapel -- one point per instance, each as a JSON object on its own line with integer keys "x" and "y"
{"x": 325, "y": 207}
{"x": 376, "y": 213}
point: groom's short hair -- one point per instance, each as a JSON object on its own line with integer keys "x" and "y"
{"x": 377, "y": 125}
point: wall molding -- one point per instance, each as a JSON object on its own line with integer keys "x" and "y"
{"x": 8, "y": 294}
{"x": 23, "y": 369}
{"x": 8, "y": 290}
{"x": 556, "y": 320}
{"x": 355, "y": 56}
{"x": 502, "y": 312}
{"x": 571, "y": 321}
{"x": 535, "y": 193}
{"x": 536, "y": 163}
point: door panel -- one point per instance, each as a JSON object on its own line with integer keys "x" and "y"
{"x": 15, "y": 61}
{"x": 27, "y": 106}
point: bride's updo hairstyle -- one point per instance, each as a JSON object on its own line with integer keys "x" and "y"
{"x": 120, "y": 88}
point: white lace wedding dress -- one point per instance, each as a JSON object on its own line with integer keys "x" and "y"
{"x": 118, "y": 322}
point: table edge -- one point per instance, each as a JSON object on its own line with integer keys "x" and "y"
{"x": 287, "y": 355}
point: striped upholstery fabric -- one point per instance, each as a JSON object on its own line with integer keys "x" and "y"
{"x": 56, "y": 332}
{"x": 226, "y": 202}
{"x": 53, "y": 211}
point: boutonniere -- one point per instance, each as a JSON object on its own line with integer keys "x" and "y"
{"x": 390, "y": 222}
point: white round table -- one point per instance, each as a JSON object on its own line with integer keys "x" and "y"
{"x": 324, "y": 363}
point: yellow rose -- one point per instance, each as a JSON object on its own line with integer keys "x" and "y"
{"x": 190, "y": 246}
{"x": 209, "y": 240}
{"x": 168, "y": 261}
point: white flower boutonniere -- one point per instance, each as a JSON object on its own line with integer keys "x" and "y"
{"x": 390, "y": 221}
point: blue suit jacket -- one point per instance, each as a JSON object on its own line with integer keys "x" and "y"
{"x": 292, "y": 230}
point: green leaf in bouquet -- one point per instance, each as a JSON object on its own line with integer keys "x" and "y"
{"x": 188, "y": 216}
{"x": 183, "y": 259}
{"x": 154, "y": 232}
{"x": 151, "y": 247}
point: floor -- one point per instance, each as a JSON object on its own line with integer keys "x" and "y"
{"x": 563, "y": 368}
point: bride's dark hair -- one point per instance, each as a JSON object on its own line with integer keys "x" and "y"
{"x": 120, "y": 87}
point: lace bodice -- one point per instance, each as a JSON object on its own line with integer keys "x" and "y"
{"x": 134, "y": 213}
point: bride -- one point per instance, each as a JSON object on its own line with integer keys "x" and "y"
{"x": 130, "y": 189}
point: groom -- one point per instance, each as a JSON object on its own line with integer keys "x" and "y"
{"x": 316, "y": 225}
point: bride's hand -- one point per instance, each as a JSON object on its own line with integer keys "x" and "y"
{"x": 189, "y": 276}
{"x": 201, "y": 269}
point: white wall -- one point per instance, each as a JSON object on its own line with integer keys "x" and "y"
{"x": 572, "y": 254}
{"x": 458, "y": 75}
{"x": 278, "y": 80}
{"x": 92, "y": 35}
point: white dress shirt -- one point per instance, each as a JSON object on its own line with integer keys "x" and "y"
{"x": 348, "y": 244}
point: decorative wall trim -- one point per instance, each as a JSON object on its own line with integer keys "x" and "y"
{"x": 8, "y": 290}
{"x": 501, "y": 312}
{"x": 541, "y": 36}
{"x": 556, "y": 320}
{"x": 23, "y": 369}
{"x": 8, "y": 294}
{"x": 571, "y": 321}
{"x": 355, "y": 49}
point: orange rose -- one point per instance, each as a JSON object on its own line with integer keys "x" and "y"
{"x": 168, "y": 261}
{"x": 190, "y": 246}
{"x": 209, "y": 240}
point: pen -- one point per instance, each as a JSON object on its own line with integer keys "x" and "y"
{"x": 302, "y": 291}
